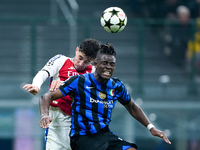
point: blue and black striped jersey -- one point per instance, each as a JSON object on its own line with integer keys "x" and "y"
{"x": 93, "y": 102}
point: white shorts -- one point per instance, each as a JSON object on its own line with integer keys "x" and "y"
{"x": 57, "y": 134}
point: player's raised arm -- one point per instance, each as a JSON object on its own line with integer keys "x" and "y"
{"x": 140, "y": 116}
{"x": 49, "y": 70}
{"x": 44, "y": 103}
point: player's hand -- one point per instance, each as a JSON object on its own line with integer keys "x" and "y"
{"x": 31, "y": 89}
{"x": 161, "y": 134}
{"x": 45, "y": 121}
{"x": 55, "y": 85}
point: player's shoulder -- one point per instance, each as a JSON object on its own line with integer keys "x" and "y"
{"x": 116, "y": 81}
{"x": 57, "y": 56}
{"x": 60, "y": 57}
{"x": 72, "y": 78}
{"x": 78, "y": 77}
{"x": 84, "y": 75}
{"x": 57, "y": 60}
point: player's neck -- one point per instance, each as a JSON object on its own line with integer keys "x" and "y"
{"x": 99, "y": 79}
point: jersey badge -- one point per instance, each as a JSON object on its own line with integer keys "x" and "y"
{"x": 102, "y": 95}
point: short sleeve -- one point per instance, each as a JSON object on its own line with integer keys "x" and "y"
{"x": 54, "y": 64}
{"x": 123, "y": 94}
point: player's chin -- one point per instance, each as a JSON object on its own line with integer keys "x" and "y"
{"x": 80, "y": 68}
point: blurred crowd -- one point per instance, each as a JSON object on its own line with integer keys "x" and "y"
{"x": 180, "y": 34}
{"x": 164, "y": 8}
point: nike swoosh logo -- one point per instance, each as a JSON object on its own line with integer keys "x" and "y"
{"x": 87, "y": 87}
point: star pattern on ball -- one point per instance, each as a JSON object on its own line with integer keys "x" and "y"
{"x": 114, "y": 12}
{"x": 121, "y": 23}
{"x": 107, "y": 23}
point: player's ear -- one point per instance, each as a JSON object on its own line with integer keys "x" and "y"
{"x": 95, "y": 62}
{"x": 77, "y": 49}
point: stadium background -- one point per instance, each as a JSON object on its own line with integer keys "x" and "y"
{"x": 32, "y": 31}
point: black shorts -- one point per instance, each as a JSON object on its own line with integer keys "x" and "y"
{"x": 100, "y": 141}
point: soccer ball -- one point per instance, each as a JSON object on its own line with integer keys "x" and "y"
{"x": 113, "y": 19}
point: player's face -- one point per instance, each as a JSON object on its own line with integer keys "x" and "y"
{"x": 105, "y": 66}
{"x": 81, "y": 61}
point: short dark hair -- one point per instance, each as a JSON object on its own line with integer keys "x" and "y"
{"x": 90, "y": 47}
{"x": 107, "y": 49}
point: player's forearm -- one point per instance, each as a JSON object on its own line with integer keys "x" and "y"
{"x": 137, "y": 113}
{"x": 40, "y": 78}
{"x": 140, "y": 116}
{"x": 44, "y": 104}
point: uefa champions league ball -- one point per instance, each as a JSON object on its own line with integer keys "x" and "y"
{"x": 113, "y": 19}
